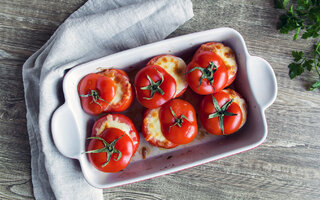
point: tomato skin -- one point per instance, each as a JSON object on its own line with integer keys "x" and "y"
{"x": 134, "y": 135}
{"x": 124, "y": 145}
{"x": 189, "y": 128}
{"x": 220, "y": 76}
{"x": 168, "y": 86}
{"x": 231, "y": 123}
{"x": 148, "y": 135}
{"x": 105, "y": 88}
{"x": 120, "y": 77}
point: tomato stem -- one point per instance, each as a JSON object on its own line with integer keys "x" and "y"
{"x": 207, "y": 73}
{"x": 221, "y": 112}
{"x": 178, "y": 121}
{"x": 154, "y": 86}
{"x": 108, "y": 148}
{"x": 95, "y": 97}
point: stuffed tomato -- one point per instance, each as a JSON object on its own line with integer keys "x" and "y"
{"x": 176, "y": 67}
{"x": 110, "y": 151}
{"x": 223, "y": 113}
{"x": 154, "y": 86}
{"x": 226, "y": 54}
{"x": 118, "y": 121}
{"x": 170, "y": 125}
{"x": 106, "y": 91}
{"x": 206, "y": 73}
{"x": 161, "y": 80}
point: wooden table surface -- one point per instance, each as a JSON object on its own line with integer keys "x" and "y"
{"x": 286, "y": 166}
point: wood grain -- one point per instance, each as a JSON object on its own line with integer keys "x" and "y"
{"x": 286, "y": 166}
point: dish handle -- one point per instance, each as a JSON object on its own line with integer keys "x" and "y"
{"x": 64, "y": 132}
{"x": 262, "y": 80}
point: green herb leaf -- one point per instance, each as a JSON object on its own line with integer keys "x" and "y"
{"x": 303, "y": 17}
{"x": 308, "y": 64}
{"x": 297, "y": 55}
{"x": 284, "y": 3}
{"x": 304, "y": 4}
{"x": 289, "y": 22}
{"x": 297, "y": 34}
{"x": 295, "y": 69}
{"x": 281, "y": 4}
{"x": 312, "y": 31}
{"x": 315, "y": 86}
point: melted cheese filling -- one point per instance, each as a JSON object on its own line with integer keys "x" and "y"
{"x": 119, "y": 92}
{"x": 114, "y": 123}
{"x": 176, "y": 67}
{"x": 154, "y": 127}
{"x": 241, "y": 102}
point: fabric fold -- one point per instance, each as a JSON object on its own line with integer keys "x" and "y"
{"x": 99, "y": 28}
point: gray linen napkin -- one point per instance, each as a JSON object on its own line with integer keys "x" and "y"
{"x": 97, "y": 29}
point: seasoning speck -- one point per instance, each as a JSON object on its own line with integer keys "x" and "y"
{"x": 144, "y": 152}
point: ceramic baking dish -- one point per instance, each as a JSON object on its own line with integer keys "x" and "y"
{"x": 255, "y": 81}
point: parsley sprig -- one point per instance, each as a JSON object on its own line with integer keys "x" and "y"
{"x": 301, "y": 63}
{"x": 303, "y": 17}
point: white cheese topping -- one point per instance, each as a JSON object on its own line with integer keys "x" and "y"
{"x": 119, "y": 92}
{"x": 227, "y": 55}
{"x": 153, "y": 126}
{"x": 176, "y": 67}
{"x": 114, "y": 123}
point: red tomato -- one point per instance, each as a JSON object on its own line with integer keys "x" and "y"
{"x": 206, "y": 73}
{"x": 224, "y": 118}
{"x": 96, "y": 92}
{"x": 151, "y": 130}
{"x": 117, "y": 150}
{"x": 154, "y": 86}
{"x": 124, "y": 92}
{"x": 178, "y": 121}
{"x": 124, "y": 123}
{"x": 226, "y": 54}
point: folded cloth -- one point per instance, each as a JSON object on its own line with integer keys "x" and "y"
{"x": 97, "y": 29}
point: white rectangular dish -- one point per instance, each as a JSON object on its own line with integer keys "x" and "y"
{"x": 255, "y": 81}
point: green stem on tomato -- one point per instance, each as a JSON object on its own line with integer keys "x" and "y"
{"x": 178, "y": 121}
{"x": 154, "y": 86}
{"x": 207, "y": 73}
{"x": 108, "y": 148}
{"x": 221, "y": 112}
{"x": 95, "y": 97}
